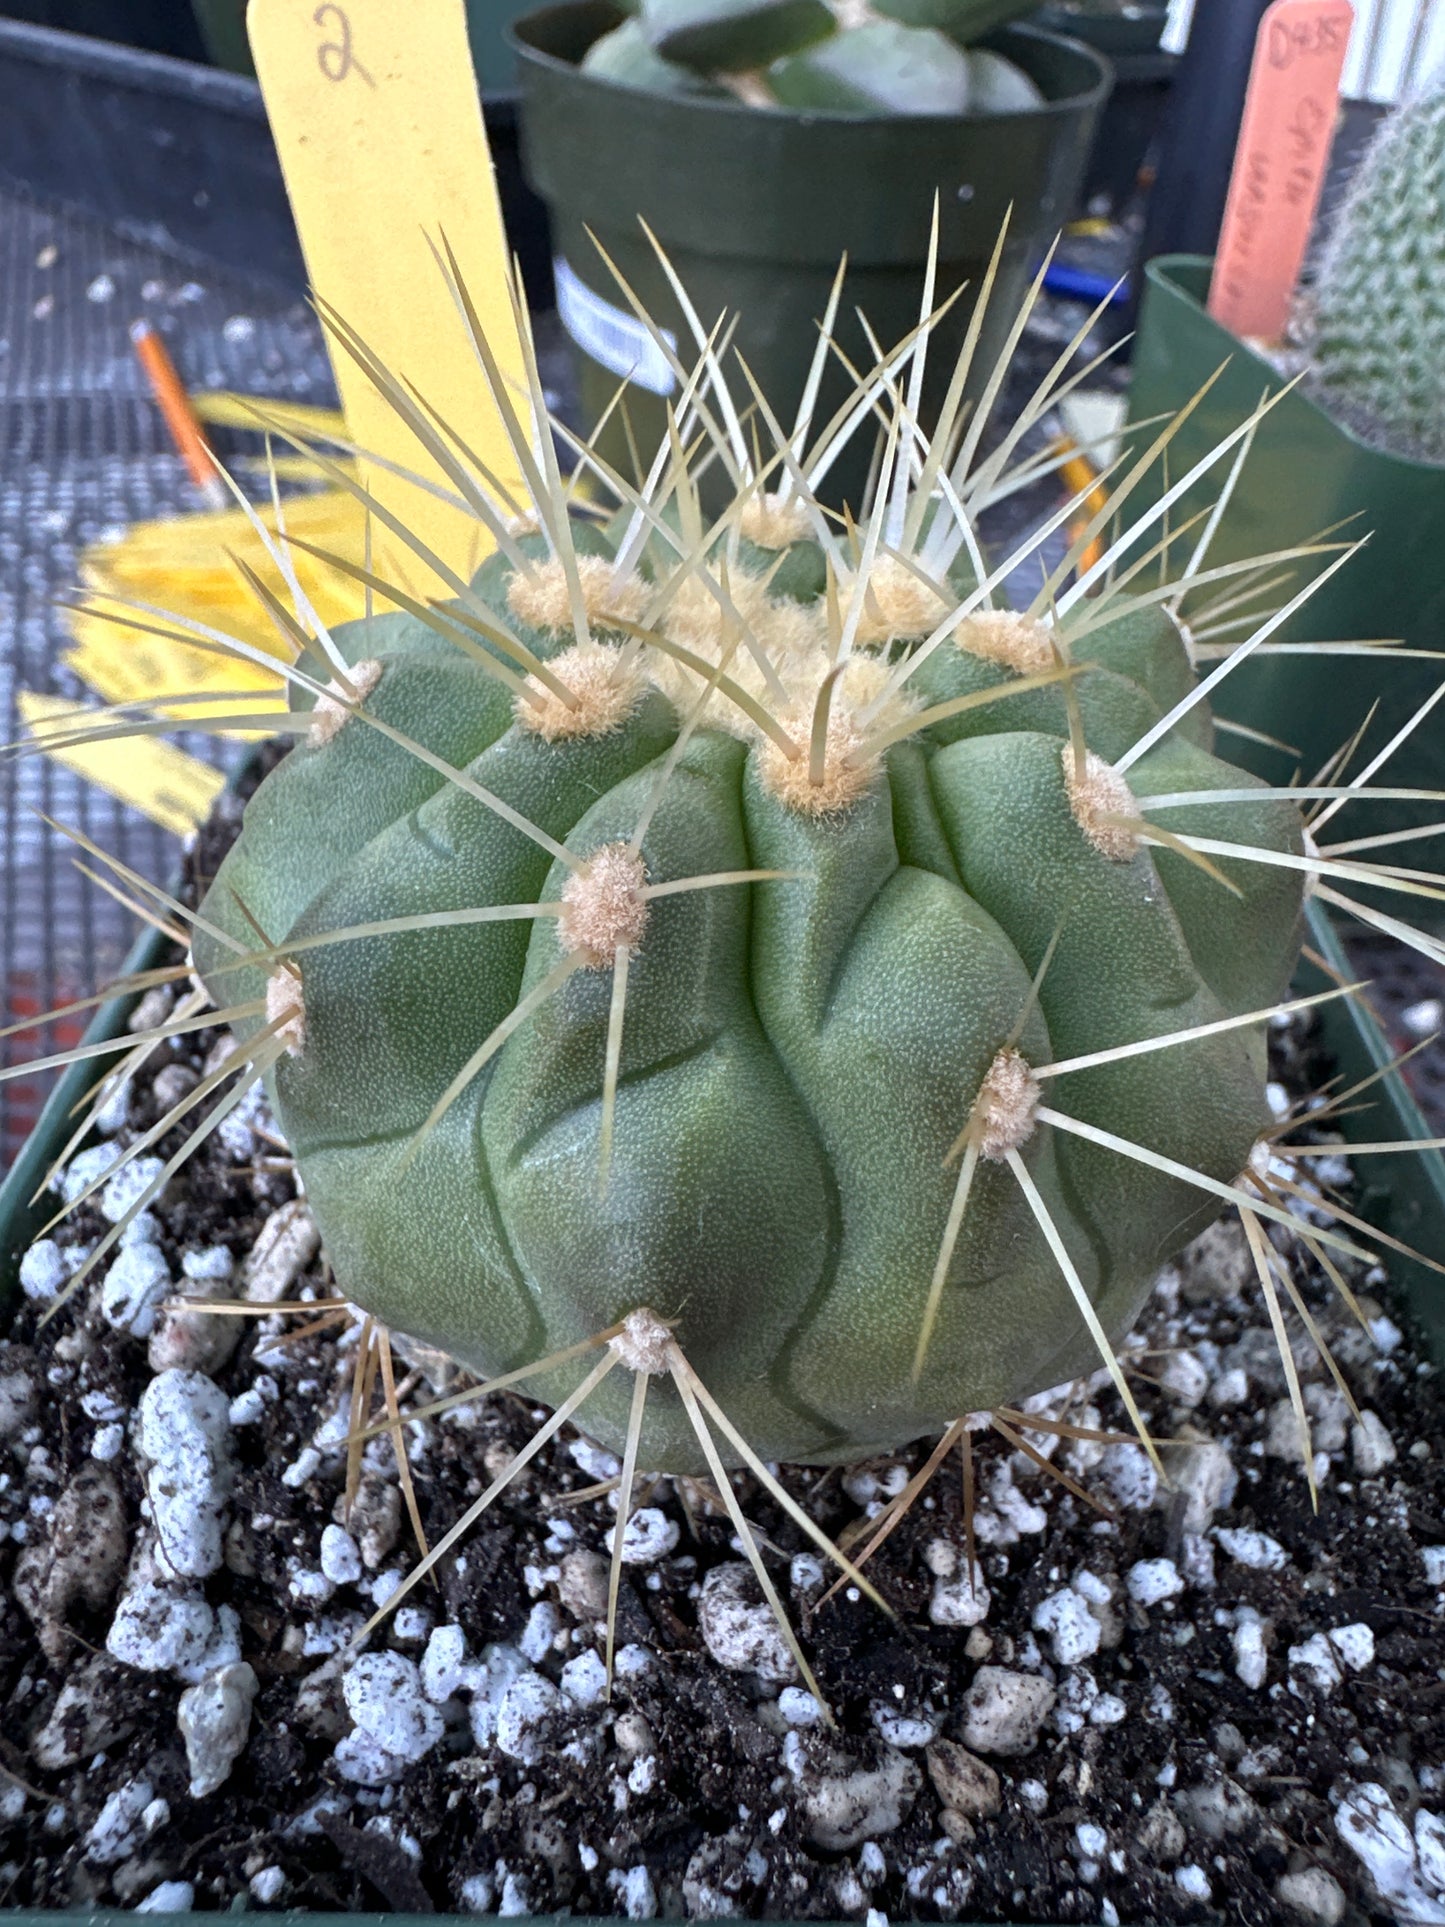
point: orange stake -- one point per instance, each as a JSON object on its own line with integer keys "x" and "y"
{"x": 1077, "y": 474}
{"x": 180, "y": 417}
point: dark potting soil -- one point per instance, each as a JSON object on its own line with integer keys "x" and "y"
{"x": 1204, "y": 1700}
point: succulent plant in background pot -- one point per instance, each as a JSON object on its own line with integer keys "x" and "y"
{"x": 1362, "y": 438}
{"x": 755, "y": 200}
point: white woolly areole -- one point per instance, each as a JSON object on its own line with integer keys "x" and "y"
{"x": 606, "y": 687}
{"x": 1010, "y": 640}
{"x": 539, "y": 596}
{"x": 284, "y": 1001}
{"x": 1096, "y": 796}
{"x": 898, "y": 603}
{"x": 846, "y": 775}
{"x": 527, "y": 523}
{"x": 603, "y": 904}
{"x": 331, "y": 713}
{"x": 773, "y": 520}
{"x": 643, "y": 1342}
{"x": 1007, "y": 1105}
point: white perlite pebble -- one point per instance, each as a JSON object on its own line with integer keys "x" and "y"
{"x": 1251, "y": 1661}
{"x": 1253, "y": 1549}
{"x": 445, "y": 1668}
{"x": 962, "y": 1600}
{"x": 108, "y": 1443}
{"x": 527, "y": 1710}
{"x": 1185, "y": 1378}
{"x": 185, "y": 1440}
{"x": 1315, "y": 1662}
{"x": 842, "y": 1809}
{"x": 1204, "y": 1474}
{"x": 1003, "y": 1711}
{"x": 1193, "y": 1880}
{"x": 340, "y": 1559}
{"x": 129, "y": 1186}
{"x": 742, "y": 1635}
{"x": 167, "y": 1629}
{"x": 902, "y": 1731}
{"x": 584, "y": 1680}
{"x": 44, "y": 1270}
{"x": 798, "y": 1706}
{"x": 488, "y": 1685}
{"x": 215, "y": 1722}
{"x": 1230, "y": 1388}
{"x": 1314, "y": 1893}
{"x": 84, "y": 1170}
{"x": 1433, "y": 1560}
{"x": 384, "y": 1697}
{"x": 635, "y": 1890}
{"x": 1355, "y": 1645}
{"x": 268, "y": 1885}
{"x": 1430, "y": 1849}
{"x": 118, "y": 1828}
{"x": 1129, "y": 1474}
{"x": 1371, "y": 1445}
{"x": 170, "y": 1897}
{"x": 1074, "y": 1632}
{"x": 650, "y": 1535}
{"x": 1370, "y": 1827}
{"x": 1152, "y": 1580}
{"x": 134, "y": 1288}
{"x": 544, "y": 1622}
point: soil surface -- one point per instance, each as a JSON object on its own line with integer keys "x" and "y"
{"x": 1169, "y": 1702}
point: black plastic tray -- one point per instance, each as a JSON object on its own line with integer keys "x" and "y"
{"x": 181, "y": 154}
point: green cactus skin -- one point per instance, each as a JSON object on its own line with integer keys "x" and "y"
{"x": 1378, "y": 326}
{"x": 798, "y": 1054}
{"x": 900, "y": 57}
{"x": 729, "y": 36}
{"x": 877, "y": 69}
{"x": 626, "y": 55}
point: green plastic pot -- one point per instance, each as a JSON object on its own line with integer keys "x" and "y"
{"x": 1306, "y": 473}
{"x": 755, "y": 209}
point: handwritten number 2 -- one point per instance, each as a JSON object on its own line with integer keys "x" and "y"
{"x": 336, "y": 57}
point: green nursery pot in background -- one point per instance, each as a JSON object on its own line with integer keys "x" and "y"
{"x": 1306, "y": 473}
{"x": 756, "y": 207}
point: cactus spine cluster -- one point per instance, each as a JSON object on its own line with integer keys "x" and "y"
{"x": 1378, "y": 313}
{"x": 750, "y": 930}
{"x": 828, "y": 56}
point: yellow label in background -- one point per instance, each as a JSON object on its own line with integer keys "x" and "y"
{"x": 376, "y": 117}
{"x": 187, "y": 567}
{"x": 163, "y": 783}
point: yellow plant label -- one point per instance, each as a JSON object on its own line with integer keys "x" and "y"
{"x": 375, "y": 112}
{"x": 163, "y": 783}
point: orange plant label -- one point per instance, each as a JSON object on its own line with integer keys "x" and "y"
{"x": 1279, "y": 165}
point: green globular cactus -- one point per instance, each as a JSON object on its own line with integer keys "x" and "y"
{"x": 778, "y": 972}
{"x": 1377, "y": 316}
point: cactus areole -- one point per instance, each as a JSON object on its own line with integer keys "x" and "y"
{"x": 826, "y": 1163}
